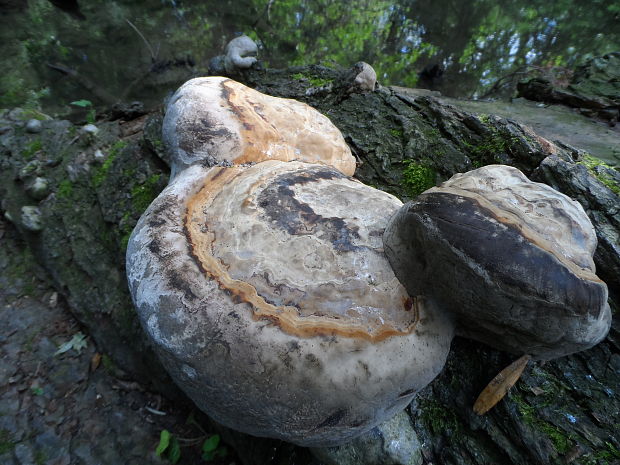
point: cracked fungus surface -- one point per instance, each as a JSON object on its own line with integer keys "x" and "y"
{"x": 545, "y": 216}
{"x": 304, "y": 248}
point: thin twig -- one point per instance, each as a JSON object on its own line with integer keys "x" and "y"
{"x": 154, "y": 411}
{"x": 146, "y": 42}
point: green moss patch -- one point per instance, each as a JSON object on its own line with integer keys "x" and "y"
{"x": 314, "y": 81}
{"x": 143, "y": 194}
{"x": 6, "y": 442}
{"x": 417, "y": 178}
{"x": 100, "y": 174}
{"x": 597, "y": 168}
{"x": 560, "y": 440}
{"x": 32, "y": 148}
{"x": 438, "y": 418}
{"x": 65, "y": 189}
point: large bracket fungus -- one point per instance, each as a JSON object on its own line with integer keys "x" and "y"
{"x": 259, "y": 274}
{"x": 511, "y": 258}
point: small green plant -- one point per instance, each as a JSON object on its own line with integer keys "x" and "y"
{"x": 91, "y": 116}
{"x": 398, "y": 133}
{"x": 36, "y": 390}
{"x": 82, "y": 103}
{"x": 417, "y": 178}
{"x": 168, "y": 447}
{"x": 211, "y": 448}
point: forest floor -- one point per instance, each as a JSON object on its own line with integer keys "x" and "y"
{"x": 69, "y": 408}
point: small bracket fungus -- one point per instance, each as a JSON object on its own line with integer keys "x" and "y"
{"x": 240, "y": 53}
{"x": 364, "y": 77}
{"x": 512, "y": 259}
{"x": 259, "y": 274}
{"x": 218, "y": 121}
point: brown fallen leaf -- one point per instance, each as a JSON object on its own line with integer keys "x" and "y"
{"x": 95, "y": 361}
{"x": 500, "y": 385}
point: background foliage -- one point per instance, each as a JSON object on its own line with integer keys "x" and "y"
{"x": 476, "y": 42}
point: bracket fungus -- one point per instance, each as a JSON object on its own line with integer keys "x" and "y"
{"x": 240, "y": 53}
{"x": 260, "y": 277}
{"x": 218, "y": 121}
{"x": 510, "y": 258}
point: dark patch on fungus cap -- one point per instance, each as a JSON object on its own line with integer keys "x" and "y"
{"x": 200, "y": 132}
{"x": 523, "y": 267}
{"x": 284, "y": 210}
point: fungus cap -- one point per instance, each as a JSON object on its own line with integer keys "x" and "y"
{"x": 219, "y": 121}
{"x": 268, "y": 297}
{"x": 240, "y": 54}
{"x": 512, "y": 259}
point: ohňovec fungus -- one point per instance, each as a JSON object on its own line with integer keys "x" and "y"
{"x": 260, "y": 276}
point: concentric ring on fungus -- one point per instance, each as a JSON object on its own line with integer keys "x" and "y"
{"x": 260, "y": 277}
{"x": 202, "y": 236}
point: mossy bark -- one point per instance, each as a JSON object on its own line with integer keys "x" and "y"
{"x": 563, "y": 411}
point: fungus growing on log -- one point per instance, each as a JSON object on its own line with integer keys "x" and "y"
{"x": 260, "y": 275}
{"x": 510, "y": 258}
{"x": 240, "y": 53}
{"x": 220, "y": 121}
{"x": 261, "y": 278}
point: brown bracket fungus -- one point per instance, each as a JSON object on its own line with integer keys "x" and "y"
{"x": 510, "y": 258}
{"x": 262, "y": 282}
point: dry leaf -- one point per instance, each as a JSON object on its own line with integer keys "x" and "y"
{"x": 537, "y": 391}
{"x": 95, "y": 361}
{"x": 77, "y": 343}
{"x": 500, "y": 385}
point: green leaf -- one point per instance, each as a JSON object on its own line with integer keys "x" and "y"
{"x": 221, "y": 452}
{"x": 174, "y": 454}
{"x": 191, "y": 420}
{"x": 77, "y": 343}
{"x": 82, "y": 103}
{"x": 164, "y": 442}
{"x": 208, "y": 456}
{"x": 211, "y": 443}
{"x": 37, "y": 390}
